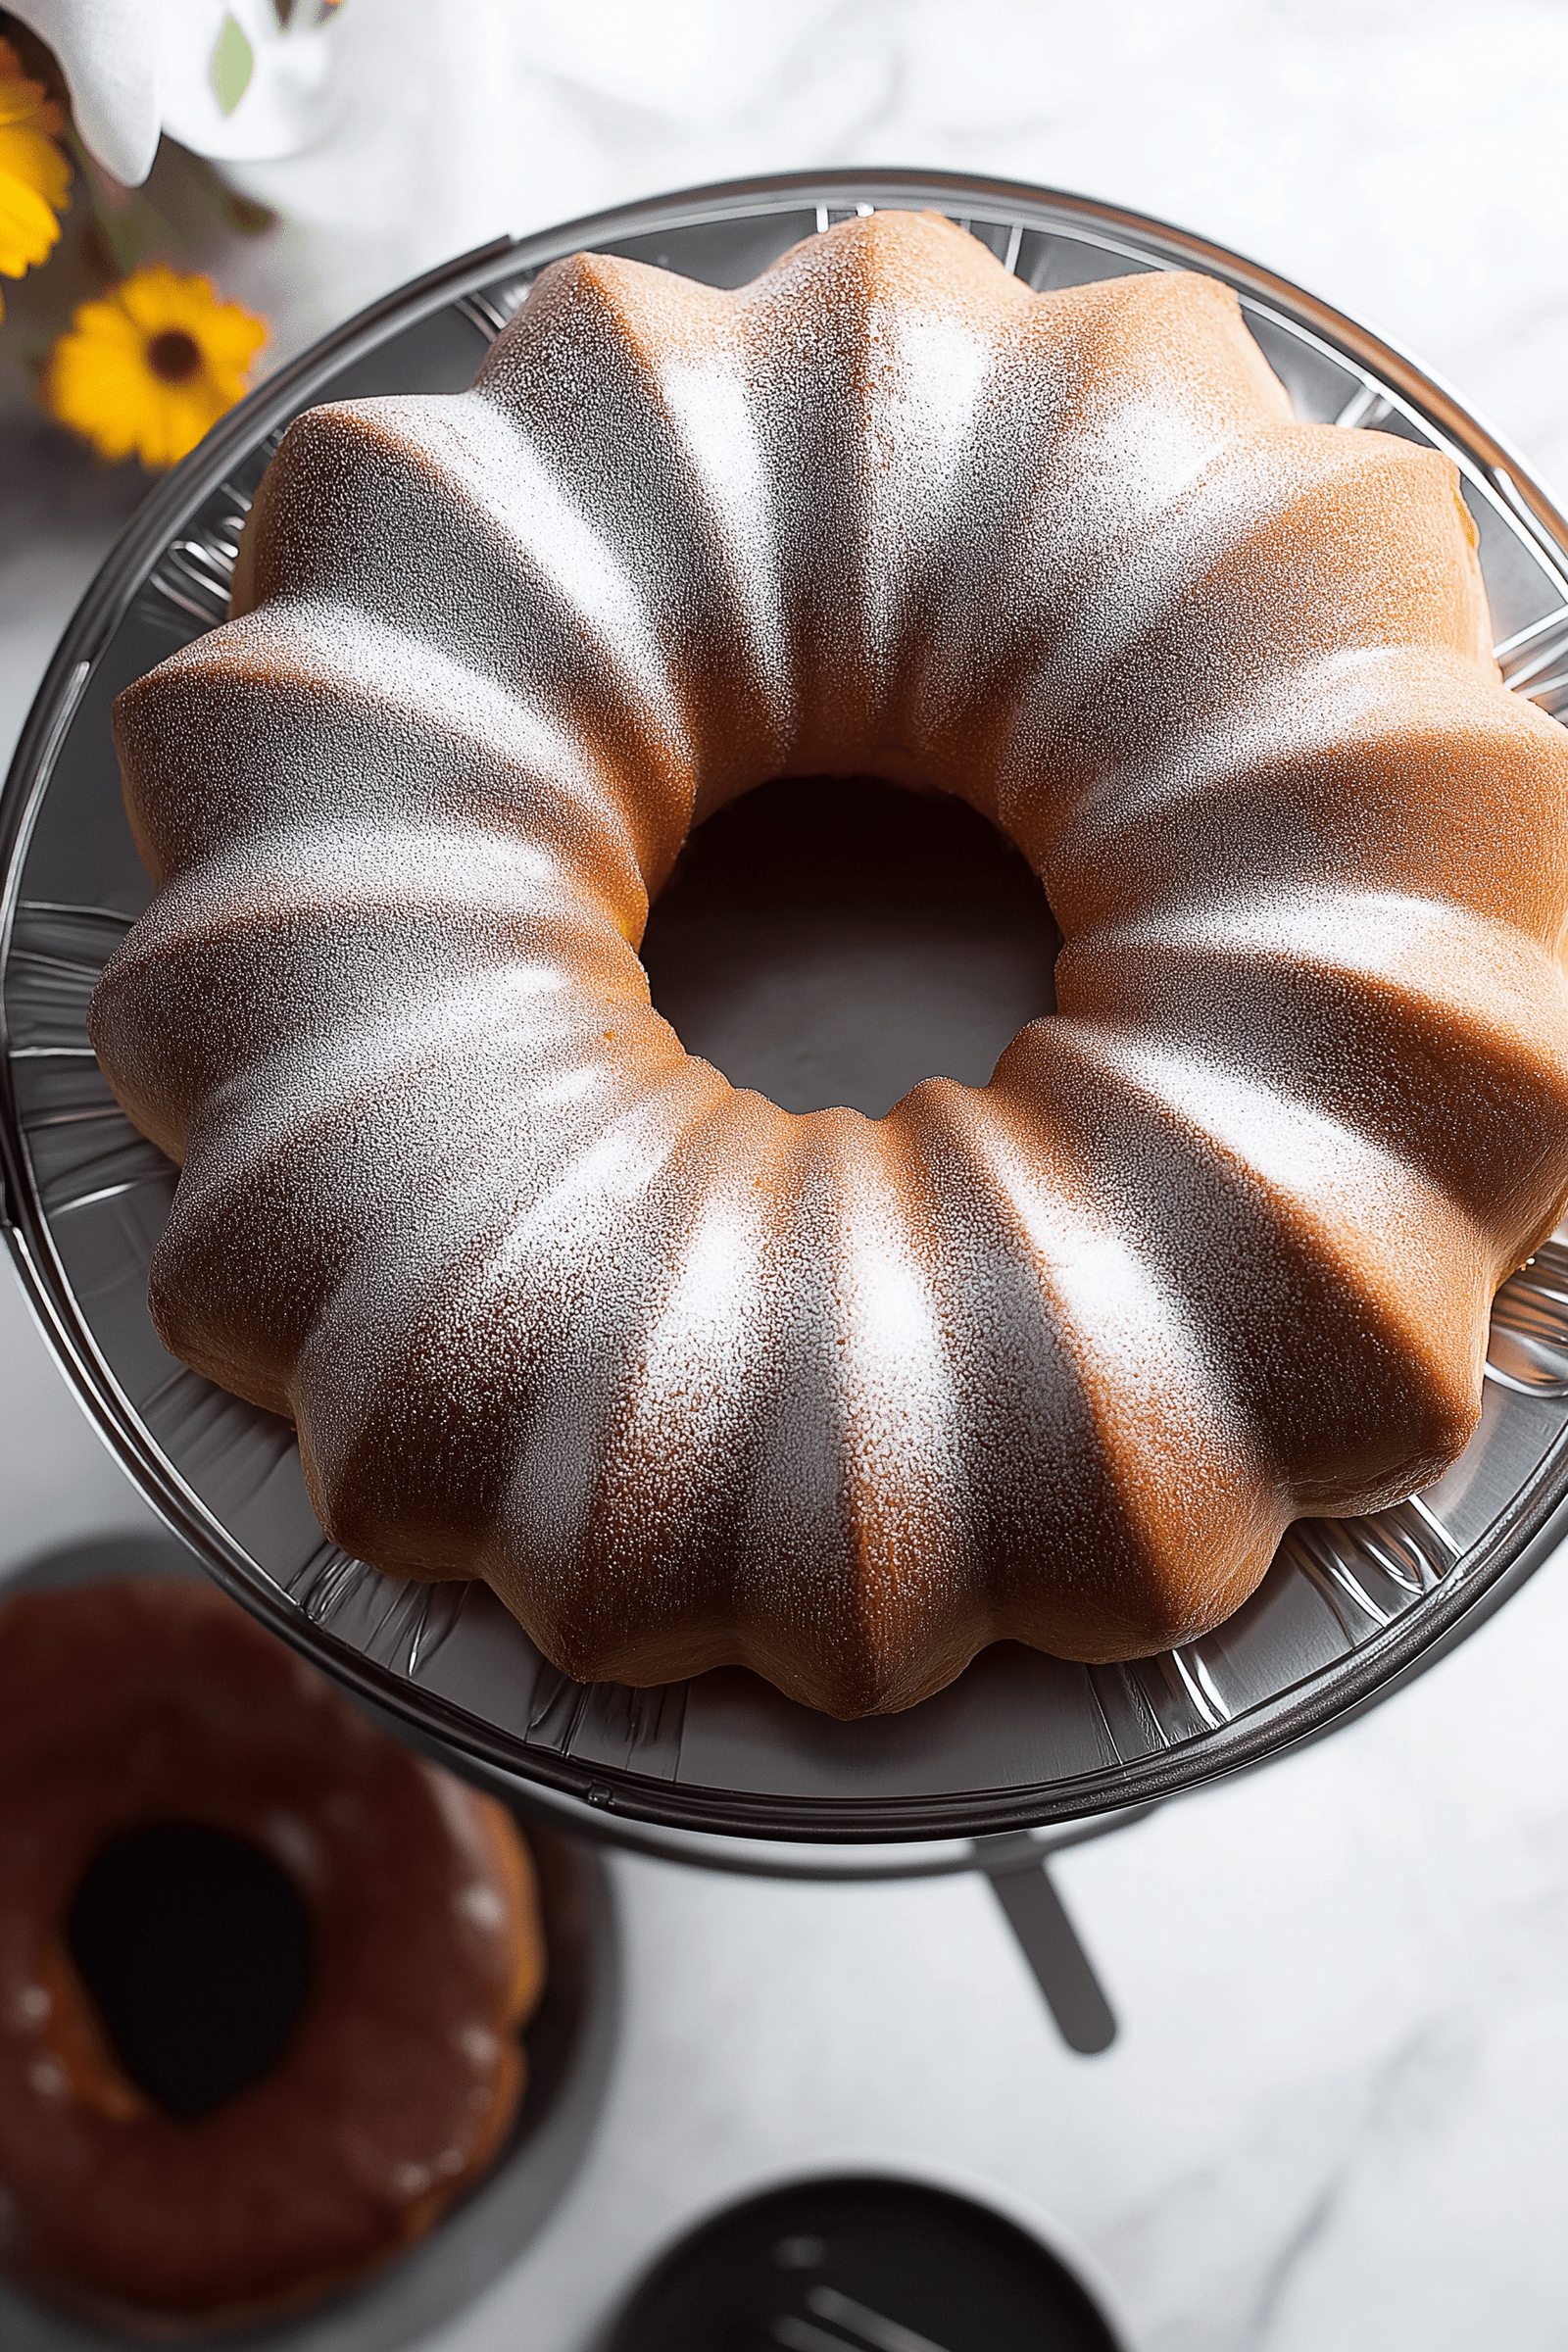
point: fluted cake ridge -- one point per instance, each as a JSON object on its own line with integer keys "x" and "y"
{"x": 689, "y": 1378}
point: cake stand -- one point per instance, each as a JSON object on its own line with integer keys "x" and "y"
{"x": 723, "y": 1771}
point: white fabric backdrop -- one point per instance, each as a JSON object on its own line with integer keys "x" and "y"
{"x": 1406, "y": 159}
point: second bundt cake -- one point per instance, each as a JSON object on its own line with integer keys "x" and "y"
{"x": 691, "y": 1380}
{"x": 263, "y": 1971}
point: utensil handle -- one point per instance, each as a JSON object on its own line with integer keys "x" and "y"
{"x": 1062, "y": 1967}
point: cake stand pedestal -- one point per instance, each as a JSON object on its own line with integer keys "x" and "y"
{"x": 1024, "y": 1754}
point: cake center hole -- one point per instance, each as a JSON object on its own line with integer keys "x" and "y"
{"x": 833, "y": 940}
{"x": 198, "y": 1952}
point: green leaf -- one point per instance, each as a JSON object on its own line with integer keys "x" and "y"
{"x": 232, "y": 65}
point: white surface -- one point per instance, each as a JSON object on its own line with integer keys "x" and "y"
{"x": 1336, "y": 2114}
{"x": 1405, "y": 159}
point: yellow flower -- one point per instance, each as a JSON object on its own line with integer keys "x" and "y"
{"x": 34, "y": 176}
{"x": 151, "y": 366}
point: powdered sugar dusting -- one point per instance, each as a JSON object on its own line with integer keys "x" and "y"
{"x": 692, "y": 1380}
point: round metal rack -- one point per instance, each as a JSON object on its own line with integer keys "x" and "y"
{"x": 721, "y": 1769}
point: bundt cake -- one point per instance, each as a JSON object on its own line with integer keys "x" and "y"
{"x": 691, "y": 1380}
{"x": 156, "y": 1751}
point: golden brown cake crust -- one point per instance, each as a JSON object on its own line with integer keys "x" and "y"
{"x": 694, "y": 1381}
{"x": 149, "y": 1702}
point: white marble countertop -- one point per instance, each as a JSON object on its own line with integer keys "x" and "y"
{"x": 1335, "y": 2112}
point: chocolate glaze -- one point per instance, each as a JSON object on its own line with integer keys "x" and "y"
{"x": 147, "y": 1701}
{"x": 692, "y": 1380}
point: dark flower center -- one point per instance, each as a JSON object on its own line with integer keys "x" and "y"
{"x": 173, "y": 356}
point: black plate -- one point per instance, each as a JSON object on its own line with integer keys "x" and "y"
{"x": 858, "y": 2264}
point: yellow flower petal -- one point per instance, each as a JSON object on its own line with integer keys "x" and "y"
{"x": 27, "y": 227}
{"x": 34, "y": 176}
{"x": 26, "y": 154}
{"x": 155, "y": 298}
{"x": 152, "y": 365}
{"x": 20, "y": 97}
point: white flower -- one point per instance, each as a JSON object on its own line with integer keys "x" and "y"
{"x": 223, "y": 76}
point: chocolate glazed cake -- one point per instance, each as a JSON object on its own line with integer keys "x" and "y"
{"x": 332, "y": 2088}
{"x": 693, "y": 1379}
